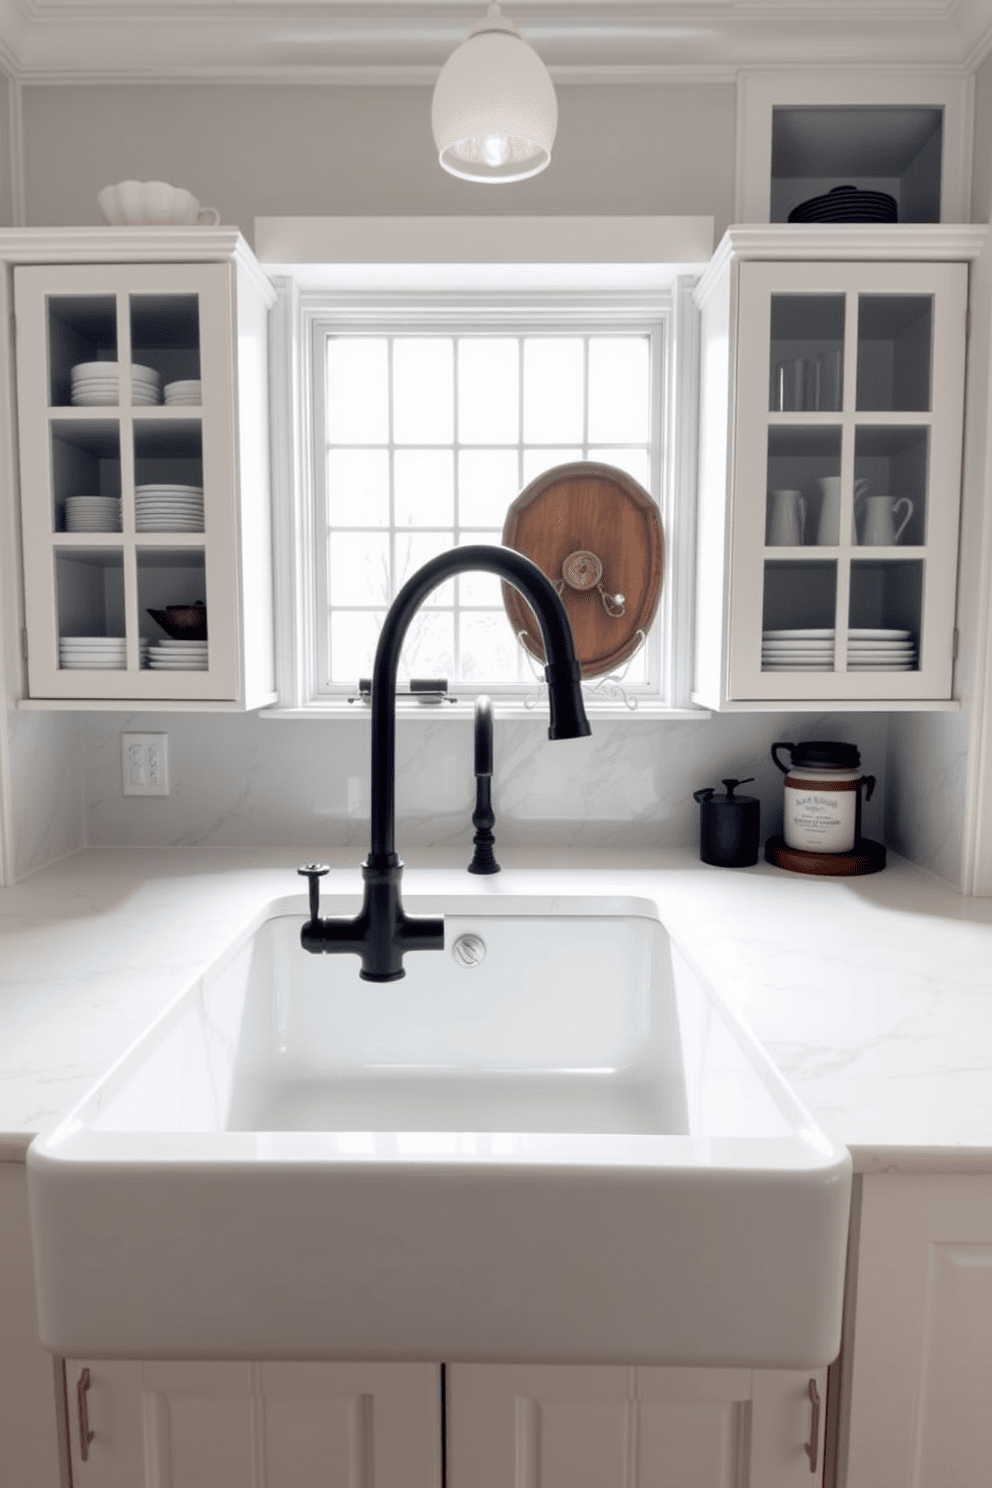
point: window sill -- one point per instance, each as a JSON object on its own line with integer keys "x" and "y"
{"x": 647, "y": 711}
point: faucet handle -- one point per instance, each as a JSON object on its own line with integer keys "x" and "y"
{"x": 314, "y": 872}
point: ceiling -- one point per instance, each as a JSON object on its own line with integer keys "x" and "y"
{"x": 407, "y": 40}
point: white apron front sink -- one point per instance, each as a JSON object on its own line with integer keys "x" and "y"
{"x": 568, "y": 1150}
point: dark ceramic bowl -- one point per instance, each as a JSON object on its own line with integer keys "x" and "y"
{"x": 183, "y": 622}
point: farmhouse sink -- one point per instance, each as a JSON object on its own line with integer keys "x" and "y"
{"x": 550, "y": 1141}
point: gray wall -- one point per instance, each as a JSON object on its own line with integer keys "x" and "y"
{"x": 6, "y": 162}
{"x": 272, "y": 150}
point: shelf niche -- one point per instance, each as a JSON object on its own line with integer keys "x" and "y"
{"x": 892, "y": 148}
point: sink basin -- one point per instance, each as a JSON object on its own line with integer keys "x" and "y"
{"x": 550, "y": 1141}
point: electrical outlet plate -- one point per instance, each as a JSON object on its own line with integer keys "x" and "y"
{"x": 145, "y": 764}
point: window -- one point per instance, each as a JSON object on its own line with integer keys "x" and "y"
{"x": 425, "y": 440}
{"x": 407, "y": 418}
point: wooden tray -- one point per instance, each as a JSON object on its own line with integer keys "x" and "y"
{"x": 597, "y": 535}
{"x": 865, "y": 857}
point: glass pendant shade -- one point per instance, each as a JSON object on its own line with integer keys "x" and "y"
{"x": 494, "y": 112}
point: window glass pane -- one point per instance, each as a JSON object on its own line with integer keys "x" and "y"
{"x": 358, "y": 488}
{"x": 358, "y": 568}
{"x": 618, "y": 389}
{"x": 423, "y": 387}
{"x": 354, "y": 635}
{"x": 553, "y": 389}
{"x": 424, "y": 488}
{"x": 633, "y": 461}
{"x": 429, "y": 647}
{"x": 489, "y": 648}
{"x": 537, "y": 461}
{"x": 413, "y": 549}
{"x": 357, "y": 390}
{"x": 488, "y": 390}
{"x": 488, "y": 480}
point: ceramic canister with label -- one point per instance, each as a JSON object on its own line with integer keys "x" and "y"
{"x": 823, "y": 794}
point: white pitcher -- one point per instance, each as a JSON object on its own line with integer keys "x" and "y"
{"x": 880, "y": 527}
{"x": 786, "y": 519}
{"x": 828, "y": 526}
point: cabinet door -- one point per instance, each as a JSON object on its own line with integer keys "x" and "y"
{"x": 222, "y": 1425}
{"x": 920, "y": 1390}
{"x": 129, "y": 490}
{"x": 515, "y": 1426}
{"x": 846, "y": 480}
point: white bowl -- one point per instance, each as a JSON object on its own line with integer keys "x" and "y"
{"x": 153, "y": 204}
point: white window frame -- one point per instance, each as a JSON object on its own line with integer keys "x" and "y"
{"x": 412, "y": 297}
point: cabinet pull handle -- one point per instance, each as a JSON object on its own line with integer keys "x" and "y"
{"x": 85, "y": 1434}
{"x": 814, "y": 1426}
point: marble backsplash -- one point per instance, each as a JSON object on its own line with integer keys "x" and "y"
{"x": 242, "y": 780}
{"x": 46, "y": 787}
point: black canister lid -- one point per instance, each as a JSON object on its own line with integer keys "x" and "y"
{"x": 712, "y": 799}
{"x": 823, "y": 752}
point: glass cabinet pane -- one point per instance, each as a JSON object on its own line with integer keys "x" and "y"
{"x": 82, "y": 330}
{"x": 86, "y": 475}
{"x": 173, "y": 580}
{"x": 807, "y": 353}
{"x": 798, "y": 616}
{"x": 885, "y": 615}
{"x": 890, "y": 501}
{"x": 803, "y": 483}
{"x": 168, "y": 476}
{"x": 895, "y": 334}
{"x": 165, "y": 337}
{"x": 89, "y": 597}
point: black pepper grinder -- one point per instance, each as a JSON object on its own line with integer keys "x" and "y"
{"x": 729, "y": 826}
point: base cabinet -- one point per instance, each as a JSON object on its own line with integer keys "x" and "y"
{"x": 212, "y": 1425}
{"x": 513, "y": 1426}
{"x": 920, "y": 1385}
{"x": 252, "y": 1425}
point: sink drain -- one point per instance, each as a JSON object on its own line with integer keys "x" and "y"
{"x": 469, "y": 950}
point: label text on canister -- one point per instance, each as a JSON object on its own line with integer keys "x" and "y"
{"x": 820, "y": 815}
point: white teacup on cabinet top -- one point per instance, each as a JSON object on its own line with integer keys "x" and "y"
{"x": 153, "y": 204}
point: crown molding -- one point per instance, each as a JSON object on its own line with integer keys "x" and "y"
{"x": 392, "y": 42}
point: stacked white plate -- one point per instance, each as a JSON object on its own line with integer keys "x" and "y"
{"x": 93, "y": 514}
{"x": 881, "y": 651}
{"x": 96, "y": 653}
{"x": 166, "y": 507}
{"x": 797, "y": 650}
{"x": 184, "y": 394}
{"x": 178, "y": 656}
{"x": 98, "y": 383}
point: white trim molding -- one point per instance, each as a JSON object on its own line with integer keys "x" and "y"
{"x": 117, "y": 40}
{"x": 314, "y": 283}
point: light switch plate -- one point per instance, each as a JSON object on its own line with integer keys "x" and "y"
{"x": 145, "y": 764}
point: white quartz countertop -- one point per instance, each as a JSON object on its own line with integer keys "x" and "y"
{"x": 872, "y": 995}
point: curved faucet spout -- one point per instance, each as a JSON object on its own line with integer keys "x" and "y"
{"x": 382, "y": 933}
{"x": 568, "y": 714}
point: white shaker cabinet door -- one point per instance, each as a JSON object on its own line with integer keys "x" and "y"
{"x": 920, "y": 1392}
{"x": 541, "y": 1426}
{"x": 223, "y": 1425}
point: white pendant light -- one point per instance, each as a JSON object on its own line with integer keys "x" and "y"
{"x": 494, "y": 112}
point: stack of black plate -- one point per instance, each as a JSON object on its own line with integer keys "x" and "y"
{"x": 847, "y": 204}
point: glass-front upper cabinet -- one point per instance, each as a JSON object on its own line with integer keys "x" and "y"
{"x": 844, "y": 472}
{"x": 133, "y": 478}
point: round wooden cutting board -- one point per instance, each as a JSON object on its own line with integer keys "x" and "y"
{"x": 597, "y": 535}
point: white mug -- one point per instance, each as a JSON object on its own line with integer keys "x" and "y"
{"x": 828, "y": 525}
{"x": 878, "y": 522}
{"x": 786, "y": 519}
